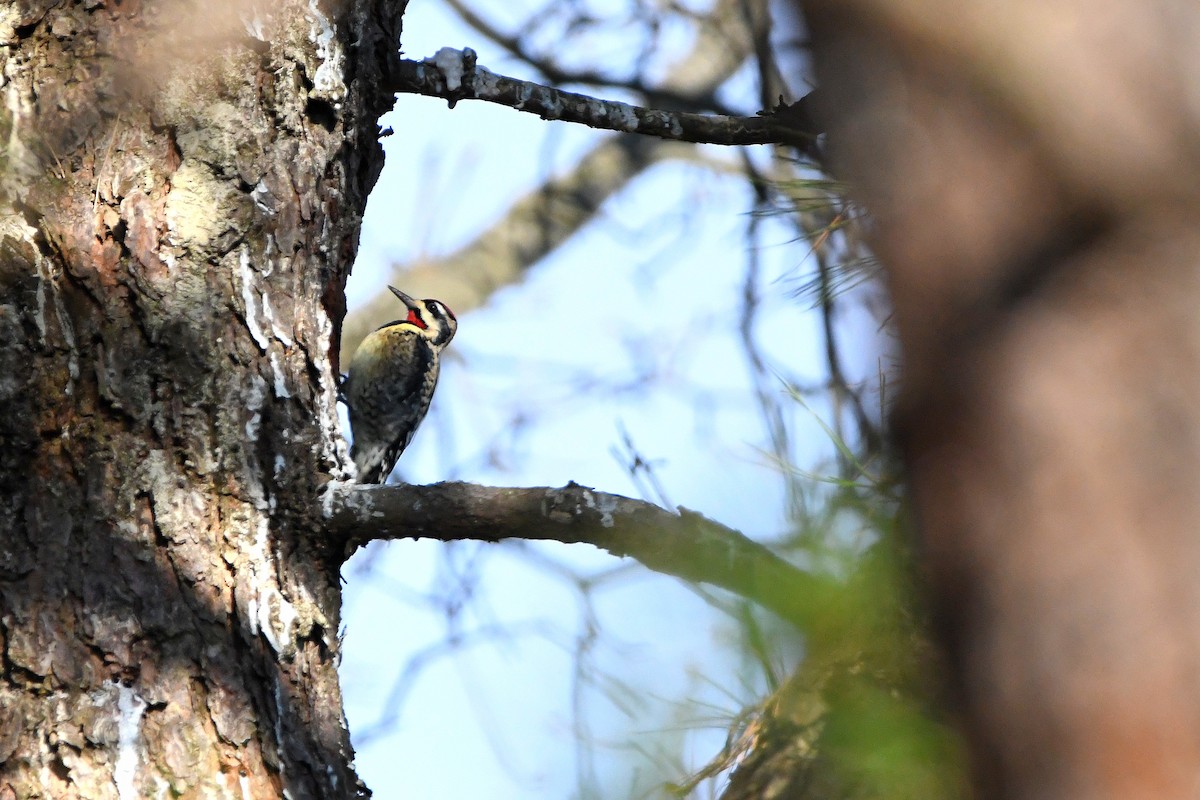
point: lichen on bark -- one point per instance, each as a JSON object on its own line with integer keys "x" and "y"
{"x": 179, "y": 206}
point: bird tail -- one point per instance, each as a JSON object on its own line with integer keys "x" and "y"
{"x": 370, "y": 465}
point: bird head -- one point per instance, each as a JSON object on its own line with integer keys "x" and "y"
{"x": 436, "y": 322}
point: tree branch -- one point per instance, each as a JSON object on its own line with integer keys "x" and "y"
{"x": 454, "y": 75}
{"x": 686, "y": 544}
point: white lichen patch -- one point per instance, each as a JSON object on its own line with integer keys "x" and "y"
{"x": 257, "y": 553}
{"x": 623, "y": 116}
{"x": 327, "y": 81}
{"x": 484, "y": 83}
{"x": 264, "y": 200}
{"x": 553, "y": 510}
{"x": 450, "y": 63}
{"x": 269, "y": 314}
{"x": 249, "y": 299}
{"x": 258, "y": 308}
{"x": 333, "y": 443}
{"x": 280, "y": 628}
{"x": 256, "y": 398}
{"x": 130, "y": 708}
{"x": 524, "y": 92}
{"x": 553, "y": 108}
{"x": 268, "y": 612}
{"x": 16, "y": 228}
{"x": 19, "y": 158}
{"x": 351, "y": 496}
{"x": 281, "y": 390}
{"x": 329, "y": 495}
{"x": 605, "y": 505}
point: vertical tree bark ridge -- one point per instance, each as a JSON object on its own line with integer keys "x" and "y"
{"x": 181, "y": 193}
{"x": 1032, "y": 172}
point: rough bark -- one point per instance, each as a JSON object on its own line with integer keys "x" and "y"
{"x": 181, "y": 195}
{"x": 1032, "y": 171}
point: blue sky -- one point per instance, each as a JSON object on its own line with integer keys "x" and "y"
{"x": 651, "y": 288}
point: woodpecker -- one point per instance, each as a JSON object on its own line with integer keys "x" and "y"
{"x": 392, "y": 377}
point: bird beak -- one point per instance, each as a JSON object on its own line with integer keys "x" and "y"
{"x": 408, "y": 301}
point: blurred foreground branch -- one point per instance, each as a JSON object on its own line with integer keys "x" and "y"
{"x": 1034, "y": 186}
{"x": 684, "y": 544}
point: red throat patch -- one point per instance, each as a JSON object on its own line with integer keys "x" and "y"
{"x": 415, "y": 319}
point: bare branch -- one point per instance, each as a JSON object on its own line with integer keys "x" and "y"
{"x": 684, "y": 544}
{"x": 454, "y": 75}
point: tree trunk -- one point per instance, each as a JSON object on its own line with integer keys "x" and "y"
{"x": 182, "y": 190}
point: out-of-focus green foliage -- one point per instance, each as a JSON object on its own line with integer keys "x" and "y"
{"x": 863, "y": 715}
